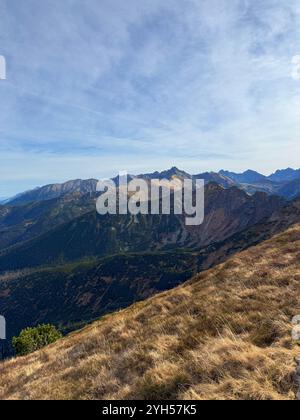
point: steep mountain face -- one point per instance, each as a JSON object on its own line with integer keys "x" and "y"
{"x": 278, "y": 222}
{"x": 216, "y": 178}
{"x": 265, "y": 186}
{"x": 52, "y": 191}
{"x": 27, "y": 221}
{"x": 285, "y": 175}
{"x": 208, "y": 339}
{"x": 285, "y": 183}
{"x": 248, "y": 177}
{"x": 290, "y": 190}
{"x": 168, "y": 174}
{"x": 226, "y": 212}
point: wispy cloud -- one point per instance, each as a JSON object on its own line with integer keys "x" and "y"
{"x": 96, "y": 86}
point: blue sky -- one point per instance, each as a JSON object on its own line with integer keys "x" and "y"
{"x": 98, "y": 86}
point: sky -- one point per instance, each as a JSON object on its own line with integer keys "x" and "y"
{"x": 101, "y": 86}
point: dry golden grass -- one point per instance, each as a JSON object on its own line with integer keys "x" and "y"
{"x": 226, "y": 334}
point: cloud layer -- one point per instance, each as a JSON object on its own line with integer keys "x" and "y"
{"x": 94, "y": 87}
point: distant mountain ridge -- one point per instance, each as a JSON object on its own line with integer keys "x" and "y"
{"x": 285, "y": 175}
{"x": 285, "y": 183}
{"x": 52, "y": 191}
{"x": 290, "y": 190}
{"x": 227, "y": 211}
{"x": 248, "y": 177}
{"x": 168, "y": 174}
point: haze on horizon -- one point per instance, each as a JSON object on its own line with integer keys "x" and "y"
{"x": 101, "y": 86}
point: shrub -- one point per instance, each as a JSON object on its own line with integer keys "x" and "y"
{"x": 33, "y": 339}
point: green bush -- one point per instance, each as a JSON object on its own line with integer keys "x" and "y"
{"x": 33, "y": 339}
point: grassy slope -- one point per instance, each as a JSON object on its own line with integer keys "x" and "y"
{"x": 226, "y": 334}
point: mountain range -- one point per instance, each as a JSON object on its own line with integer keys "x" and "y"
{"x": 53, "y": 191}
{"x": 227, "y": 211}
{"x": 285, "y": 183}
{"x": 77, "y": 265}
